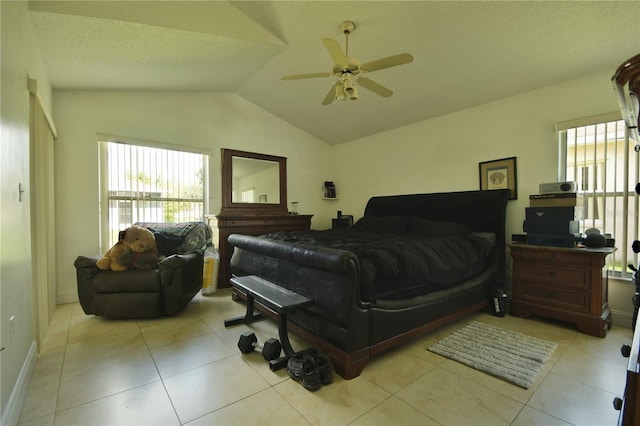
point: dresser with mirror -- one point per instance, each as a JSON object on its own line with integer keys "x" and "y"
{"x": 254, "y": 201}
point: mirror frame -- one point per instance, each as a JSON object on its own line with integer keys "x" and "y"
{"x": 229, "y": 207}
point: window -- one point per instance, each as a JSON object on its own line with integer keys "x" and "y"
{"x": 600, "y": 159}
{"x": 142, "y": 183}
{"x": 248, "y": 196}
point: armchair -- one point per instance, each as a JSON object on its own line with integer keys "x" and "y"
{"x": 148, "y": 293}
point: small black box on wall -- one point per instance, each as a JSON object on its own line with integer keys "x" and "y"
{"x": 329, "y": 190}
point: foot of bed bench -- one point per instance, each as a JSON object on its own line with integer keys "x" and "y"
{"x": 277, "y": 299}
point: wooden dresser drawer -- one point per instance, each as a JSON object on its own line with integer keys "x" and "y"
{"x": 576, "y": 301}
{"x": 285, "y": 223}
{"x": 556, "y": 276}
{"x": 547, "y": 257}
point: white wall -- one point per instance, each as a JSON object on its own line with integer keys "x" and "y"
{"x": 209, "y": 121}
{"x": 442, "y": 154}
{"x": 20, "y": 60}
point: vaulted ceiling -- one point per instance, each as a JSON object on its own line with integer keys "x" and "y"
{"x": 466, "y": 53}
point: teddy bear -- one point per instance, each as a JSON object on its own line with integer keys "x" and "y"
{"x": 134, "y": 239}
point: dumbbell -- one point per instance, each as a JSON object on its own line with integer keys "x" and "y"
{"x": 270, "y": 349}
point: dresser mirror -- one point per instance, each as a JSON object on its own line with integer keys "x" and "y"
{"x": 253, "y": 184}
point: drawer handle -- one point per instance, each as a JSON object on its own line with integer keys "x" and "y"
{"x": 552, "y": 295}
{"x": 552, "y": 273}
{"x": 553, "y": 256}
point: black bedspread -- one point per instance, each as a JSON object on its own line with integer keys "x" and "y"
{"x": 400, "y": 266}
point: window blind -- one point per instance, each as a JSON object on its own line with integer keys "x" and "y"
{"x": 142, "y": 183}
{"x": 600, "y": 159}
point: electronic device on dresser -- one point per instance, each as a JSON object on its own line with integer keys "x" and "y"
{"x": 342, "y": 221}
{"x": 557, "y": 187}
{"x": 552, "y": 218}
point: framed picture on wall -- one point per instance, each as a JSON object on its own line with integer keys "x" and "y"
{"x": 499, "y": 174}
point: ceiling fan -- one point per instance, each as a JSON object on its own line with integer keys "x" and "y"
{"x": 350, "y": 72}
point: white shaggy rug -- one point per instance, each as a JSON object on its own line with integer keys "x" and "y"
{"x": 511, "y": 356}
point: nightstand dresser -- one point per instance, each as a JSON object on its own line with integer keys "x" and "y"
{"x": 562, "y": 283}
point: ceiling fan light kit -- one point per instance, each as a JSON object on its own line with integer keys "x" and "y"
{"x": 348, "y": 85}
{"x": 340, "y": 94}
{"x": 350, "y": 72}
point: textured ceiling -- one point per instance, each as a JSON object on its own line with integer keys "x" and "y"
{"x": 466, "y": 53}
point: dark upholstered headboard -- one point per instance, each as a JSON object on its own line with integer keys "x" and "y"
{"x": 484, "y": 211}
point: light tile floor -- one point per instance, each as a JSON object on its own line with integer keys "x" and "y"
{"x": 187, "y": 370}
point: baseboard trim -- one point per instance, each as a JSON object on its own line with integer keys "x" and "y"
{"x": 62, "y": 299}
{"x": 621, "y": 318}
{"x": 11, "y": 414}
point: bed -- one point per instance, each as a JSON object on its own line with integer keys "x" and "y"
{"x": 411, "y": 264}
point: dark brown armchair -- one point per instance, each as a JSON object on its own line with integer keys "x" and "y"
{"x": 148, "y": 293}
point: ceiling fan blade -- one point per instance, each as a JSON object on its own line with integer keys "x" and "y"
{"x": 334, "y": 49}
{"x": 374, "y": 87}
{"x": 390, "y": 61}
{"x": 331, "y": 95}
{"x": 311, "y": 75}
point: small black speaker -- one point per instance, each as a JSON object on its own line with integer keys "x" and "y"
{"x": 595, "y": 241}
{"x": 499, "y": 303}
